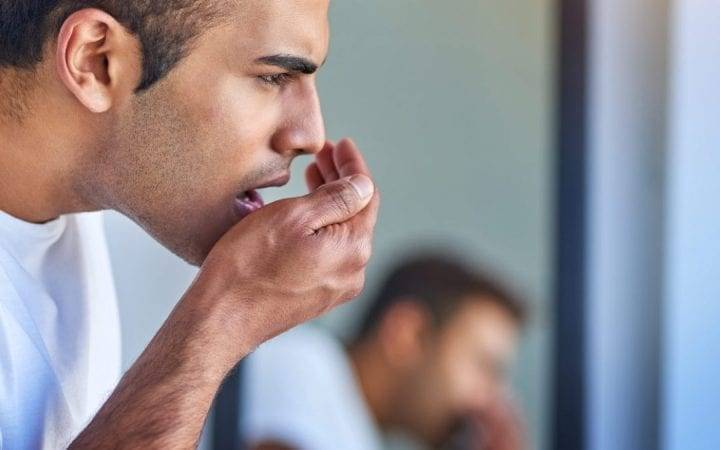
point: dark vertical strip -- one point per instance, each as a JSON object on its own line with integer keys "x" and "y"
{"x": 226, "y": 417}
{"x": 569, "y": 431}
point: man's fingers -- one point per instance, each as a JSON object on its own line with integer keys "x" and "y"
{"x": 326, "y": 164}
{"x": 339, "y": 201}
{"x": 348, "y": 160}
{"x": 313, "y": 177}
{"x": 365, "y": 221}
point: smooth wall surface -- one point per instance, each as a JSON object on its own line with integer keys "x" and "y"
{"x": 452, "y": 103}
{"x": 691, "y": 369}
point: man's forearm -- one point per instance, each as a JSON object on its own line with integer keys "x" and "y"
{"x": 164, "y": 399}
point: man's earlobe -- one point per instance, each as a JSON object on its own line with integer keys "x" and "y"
{"x": 92, "y": 49}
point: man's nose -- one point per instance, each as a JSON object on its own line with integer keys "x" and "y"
{"x": 303, "y": 129}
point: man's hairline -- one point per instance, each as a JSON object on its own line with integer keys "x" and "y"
{"x": 56, "y": 21}
{"x": 439, "y": 321}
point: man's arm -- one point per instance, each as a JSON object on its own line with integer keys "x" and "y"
{"x": 163, "y": 400}
{"x": 281, "y": 266}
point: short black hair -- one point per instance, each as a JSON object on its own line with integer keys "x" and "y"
{"x": 165, "y": 29}
{"x": 441, "y": 283}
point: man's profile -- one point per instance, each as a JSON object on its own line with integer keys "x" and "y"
{"x": 176, "y": 114}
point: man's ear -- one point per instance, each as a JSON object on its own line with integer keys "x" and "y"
{"x": 98, "y": 60}
{"x": 403, "y": 333}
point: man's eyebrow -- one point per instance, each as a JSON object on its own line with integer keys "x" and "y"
{"x": 290, "y": 63}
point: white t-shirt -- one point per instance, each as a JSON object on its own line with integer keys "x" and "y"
{"x": 59, "y": 329}
{"x": 300, "y": 390}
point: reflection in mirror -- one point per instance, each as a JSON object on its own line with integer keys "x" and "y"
{"x": 452, "y": 107}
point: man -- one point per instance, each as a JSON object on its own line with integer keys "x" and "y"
{"x": 174, "y": 113}
{"x": 430, "y": 361}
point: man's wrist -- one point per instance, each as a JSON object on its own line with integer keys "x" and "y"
{"x": 217, "y": 322}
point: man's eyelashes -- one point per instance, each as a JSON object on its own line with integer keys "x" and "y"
{"x": 279, "y": 79}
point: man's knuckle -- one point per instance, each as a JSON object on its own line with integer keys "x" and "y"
{"x": 359, "y": 259}
{"x": 358, "y": 249}
{"x": 355, "y": 287}
{"x": 365, "y": 252}
{"x": 343, "y": 199}
{"x": 297, "y": 222}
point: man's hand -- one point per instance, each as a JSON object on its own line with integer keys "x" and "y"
{"x": 282, "y": 265}
{"x": 498, "y": 427}
{"x": 294, "y": 259}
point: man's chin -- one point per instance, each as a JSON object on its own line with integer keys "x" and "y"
{"x": 193, "y": 247}
{"x": 195, "y": 251}
{"x": 189, "y": 233}
{"x": 195, "y": 259}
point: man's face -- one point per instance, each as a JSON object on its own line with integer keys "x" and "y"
{"x": 464, "y": 369}
{"x": 185, "y": 158}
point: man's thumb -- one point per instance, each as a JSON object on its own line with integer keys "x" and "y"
{"x": 339, "y": 201}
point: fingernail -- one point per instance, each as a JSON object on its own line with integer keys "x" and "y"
{"x": 363, "y": 185}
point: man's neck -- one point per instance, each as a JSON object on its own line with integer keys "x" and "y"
{"x": 37, "y": 177}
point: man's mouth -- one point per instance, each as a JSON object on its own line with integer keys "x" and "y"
{"x": 250, "y": 201}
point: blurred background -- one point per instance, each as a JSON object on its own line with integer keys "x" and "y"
{"x": 571, "y": 148}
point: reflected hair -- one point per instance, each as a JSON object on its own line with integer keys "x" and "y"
{"x": 440, "y": 283}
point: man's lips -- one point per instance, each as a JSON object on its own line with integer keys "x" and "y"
{"x": 250, "y": 201}
{"x": 278, "y": 181}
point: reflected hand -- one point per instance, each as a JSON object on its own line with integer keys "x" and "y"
{"x": 498, "y": 427}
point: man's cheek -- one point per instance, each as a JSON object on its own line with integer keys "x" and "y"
{"x": 214, "y": 114}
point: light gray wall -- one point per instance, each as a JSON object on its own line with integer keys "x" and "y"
{"x": 452, "y": 103}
